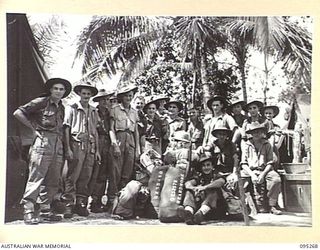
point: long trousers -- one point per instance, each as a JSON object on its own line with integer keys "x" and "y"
{"x": 79, "y": 173}
{"x": 101, "y": 173}
{"x": 121, "y": 168}
{"x": 45, "y": 166}
{"x": 209, "y": 198}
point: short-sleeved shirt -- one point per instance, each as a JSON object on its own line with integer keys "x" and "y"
{"x": 124, "y": 120}
{"x": 223, "y": 156}
{"x": 257, "y": 158}
{"x": 223, "y": 120}
{"x": 82, "y": 124}
{"x": 44, "y": 114}
{"x": 176, "y": 124}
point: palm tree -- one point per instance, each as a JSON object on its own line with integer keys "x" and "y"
{"x": 111, "y": 43}
{"x": 279, "y": 37}
{"x": 199, "y": 37}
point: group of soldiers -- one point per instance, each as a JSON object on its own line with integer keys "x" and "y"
{"x": 102, "y": 146}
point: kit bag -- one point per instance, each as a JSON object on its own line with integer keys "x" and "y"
{"x": 155, "y": 185}
{"x": 172, "y": 194}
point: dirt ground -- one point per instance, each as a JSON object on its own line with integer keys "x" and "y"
{"x": 287, "y": 219}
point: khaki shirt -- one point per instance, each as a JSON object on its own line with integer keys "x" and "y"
{"x": 82, "y": 127}
{"x": 215, "y": 122}
{"x": 257, "y": 159}
{"x": 124, "y": 119}
{"x": 44, "y": 114}
{"x": 176, "y": 124}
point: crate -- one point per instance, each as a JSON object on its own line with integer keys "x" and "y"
{"x": 297, "y": 192}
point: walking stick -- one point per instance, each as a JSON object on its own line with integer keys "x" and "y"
{"x": 242, "y": 197}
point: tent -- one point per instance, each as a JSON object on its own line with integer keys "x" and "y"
{"x": 299, "y": 113}
{"x": 26, "y": 75}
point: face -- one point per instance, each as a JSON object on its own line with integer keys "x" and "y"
{"x": 258, "y": 134}
{"x": 253, "y": 109}
{"x": 236, "y": 109}
{"x": 269, "y": 114}
{"x": 85, "y": 94}
{"x": 151, "y": 109}
{"x": 139, "y": 103}
{"x": 173, "y": 109}
{"x": 217, "y": 107}
{"x": 114, "y": 101}
{"x": 127, "y": 98}
{"x": 57, "y": 90}
{"x": 181, "y": 144}
{"x": 105, "y": 102}
{"x": 162, "y": 109}
{"x": 192, "y": 113}
{"x": 207, "y": 167}
{"x": 221, "y": 136}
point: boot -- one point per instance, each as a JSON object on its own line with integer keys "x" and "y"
{"x": 81, "y": 210}
{"x": 30, "y": 219}
{"x": 68, "y": 212}
{"x": 96, "y": 207}
{"x": 198, "y": 217}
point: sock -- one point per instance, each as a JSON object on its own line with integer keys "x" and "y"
{"x": 188, "y": 208}
{"x": 204, "y": 209}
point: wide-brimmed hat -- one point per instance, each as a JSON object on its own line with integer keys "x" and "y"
{"x": 255, "y": 126}
{"x": 217, "y": 98}
{"x": 273, "y": 107}
{"x": 67, "y": 85}
{"x": 86, "y": 85}
{"x": 233, "y": 103}
{"x": 205, "y": 156}
{"x": 150, "y": 100}
{"x": 177, "y": 102}
{"x": 258, "y": 103}
{"x": 161, "y": 97}
{"x": 102, "y": 93}
{"x": 181, "y": 136}
{"x": 127, "y": 89}
{"x": 221, "y": 129}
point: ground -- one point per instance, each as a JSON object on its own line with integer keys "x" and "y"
{"x": 287, "y": 219}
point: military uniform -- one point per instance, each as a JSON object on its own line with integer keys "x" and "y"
{"x": 101, "y": 174}
{"x": 125, "y": 124}
{"x": 46, "y": 153}
{"x": 257, "y": 160}
{"x": 83, "y": 143}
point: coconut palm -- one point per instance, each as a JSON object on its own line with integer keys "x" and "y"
{"x": 199, "y": 37}
{"x": 279, "y": 37}
{"x": 111, "y": 43}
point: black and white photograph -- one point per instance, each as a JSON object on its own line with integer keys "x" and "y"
{"x": 158, "y": 120}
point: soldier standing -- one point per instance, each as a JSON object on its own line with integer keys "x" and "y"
{"x": 44, "y": 115}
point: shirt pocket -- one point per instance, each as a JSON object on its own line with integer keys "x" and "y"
{"x": 48, "y": 118}
{"x": 121, "y": 123}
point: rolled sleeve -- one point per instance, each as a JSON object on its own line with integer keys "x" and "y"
{"x": 33, "y": 106}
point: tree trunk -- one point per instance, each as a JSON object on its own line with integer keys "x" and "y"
{"x": 204, "y": 81}
{"x": 243, "y": 81}
{"x": 266, "y": 72}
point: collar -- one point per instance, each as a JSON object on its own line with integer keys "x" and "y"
{"x": 123, "y": 108}
{"x": 79, "y": 106}
{"x": 264, "y": 141}
{"x": 52, "y": 102}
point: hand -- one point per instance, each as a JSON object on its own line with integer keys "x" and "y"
{"x": 116, "y": 150}
{"x": 231, "y": 180}
{"x": 254, "y": 179}
{"x": 260, "y": 179}
{"x": 69, "y": 155}
{"x": 200, "y": 150}
{"x": 199, "y": 189}
{"x": 98, "y": 156}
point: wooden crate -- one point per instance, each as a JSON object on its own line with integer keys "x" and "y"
{"x": 297, "y": 192}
